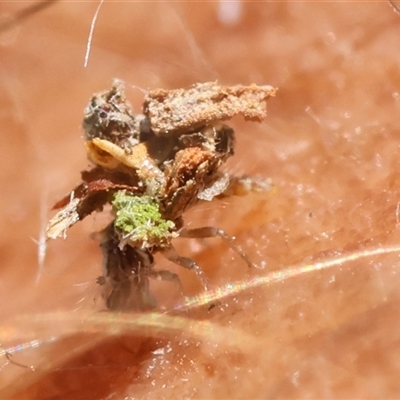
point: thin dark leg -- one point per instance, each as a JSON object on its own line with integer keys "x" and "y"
{"x": 209, "y": 231}
{"x": 165, "y": 275}
{"x": 172, "y": 255}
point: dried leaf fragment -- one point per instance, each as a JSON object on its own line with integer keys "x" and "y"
{"x": 138, "y": 160}
{"x": 193, "y": 170}
{"x": 64, "y": 219}
{"x": 83, "y": 200}
{"x": 171, "y": 111}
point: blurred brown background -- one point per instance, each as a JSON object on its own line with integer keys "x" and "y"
{"x": 330, "y": 145}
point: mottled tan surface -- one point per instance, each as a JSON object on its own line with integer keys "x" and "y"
{"x": 203, "y": 103}
{"x": 330, "y": 144}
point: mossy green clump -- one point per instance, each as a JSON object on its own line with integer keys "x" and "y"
{"x": 139, "y": 220}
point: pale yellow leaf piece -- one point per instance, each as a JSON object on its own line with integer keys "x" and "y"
{"x": 111, "y": 156}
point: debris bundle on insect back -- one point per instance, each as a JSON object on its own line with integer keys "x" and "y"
{"x": 151, "y": 168}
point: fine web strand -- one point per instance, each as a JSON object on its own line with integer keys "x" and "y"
{"x": 92, "y": 25}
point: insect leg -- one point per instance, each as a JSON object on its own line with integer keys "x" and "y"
{"x": 169, "y": 276}
{"x": 171, "y": 254}
{"x": 209, "y": 231}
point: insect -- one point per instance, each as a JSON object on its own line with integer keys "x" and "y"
{"x": 151, "y": 168}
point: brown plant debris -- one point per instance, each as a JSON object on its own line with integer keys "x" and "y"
{"x": 172, "y": 111}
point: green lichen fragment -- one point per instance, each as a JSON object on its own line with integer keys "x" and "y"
{"x": 138, "y": 218}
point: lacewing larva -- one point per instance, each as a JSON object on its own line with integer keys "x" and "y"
{"x": 151, "y": 168}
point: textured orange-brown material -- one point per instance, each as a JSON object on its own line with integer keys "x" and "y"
{"x": 175, "y": 110}
{"x": 186, "y": 178}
